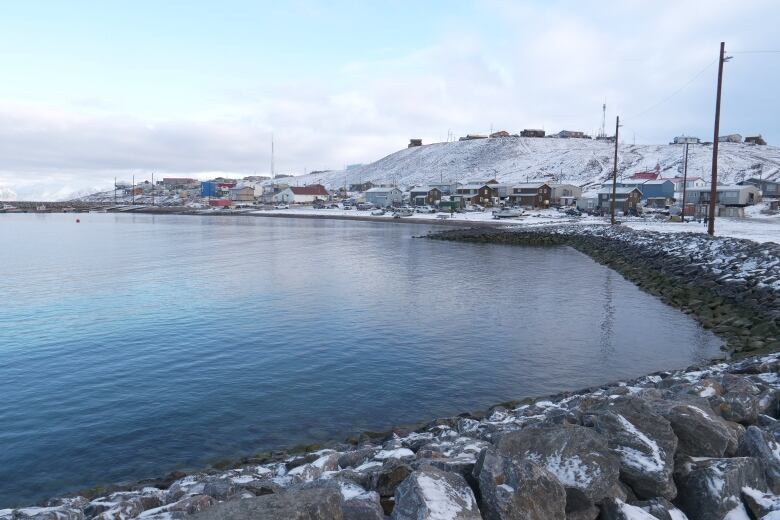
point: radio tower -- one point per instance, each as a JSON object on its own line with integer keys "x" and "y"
{"x": 603, "y": 132}
{"x": 272, "y": 157}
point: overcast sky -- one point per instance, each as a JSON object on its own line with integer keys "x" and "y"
{"x": 91, "y": 90}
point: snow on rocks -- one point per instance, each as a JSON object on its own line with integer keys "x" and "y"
{"x": 577, "y": 456}
{"x": 643, "y": 440}
{"x": 605, "y": 451}
{"x": 435, "y": 495}
{"x": 517, "y": 489}
{"x": 711, "y": 488}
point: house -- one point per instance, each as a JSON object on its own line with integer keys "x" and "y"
{"x": 588, "y": 201}
{"x": 500, "y": 133}
{"x": 243, "y": 194}
{"x": 626, "y": 198}
{"x": 685, "y": 139}
{"x": 208, "y": 189}
{"x": 414, "y": 142}
{"x": 658, "y": 193}
{"x": 220, "y": 203}
{"x": 690, "y": 182}
{"x": 384, "y": 197}
{"x": 532, "y": 195}
{"x": 471, "y": 137}
{"x": 424, "y": 195}
{"x": 480, "y": 193}
{"x": 571, "y": 134}
{"x": 768, "y": 188}
{"x": 756, "y": 139}
{"x": 731, "y": 138}
{"x": 532, "y": 132}
{"x": 564, "y": 194}
{"x": 361, "y": 186}
{"x": 302, "y": 194}
{"x": 502, "y": 191}
{"x": 726, "y": 197}
{"x": 446, "y": 188}
{"x": 179, "y": 183}
{"x": 647, "y": 175}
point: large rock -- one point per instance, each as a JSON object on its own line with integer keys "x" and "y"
{"x": 433, "y": 494}
{"x": 710, "y": 488}
{"x": 759, "y": 503}
{"x": 314, "y": 470}
{"x": 644, "y": 441}
{"x": 700, "y": 432}
{"x": 300, "y": 504}
{"x": 42, "y": 513}
{"x": 616, "y": 509}
{"x": 577, "y": 456}
{"x": 514, "y": 489}
{"x": 660, "y": 508}
{"x": 763, "y": 446}
{"x": 740, "y": 400}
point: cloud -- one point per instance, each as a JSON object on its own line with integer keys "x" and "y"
{"x": 548, "y": 65}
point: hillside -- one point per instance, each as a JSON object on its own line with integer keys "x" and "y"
{"x": 574, "y": 160}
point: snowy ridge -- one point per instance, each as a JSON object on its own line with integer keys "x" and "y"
{"x": 579, "y": 161}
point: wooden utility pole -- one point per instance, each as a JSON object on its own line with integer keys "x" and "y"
{"x": 714, "y": 180}
{"x": 685, "y": 182}
{"x": 614, "y": 170}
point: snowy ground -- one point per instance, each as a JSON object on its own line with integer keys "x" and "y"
{"x": 757, "y": 227}
{"x": 532, "y": 218}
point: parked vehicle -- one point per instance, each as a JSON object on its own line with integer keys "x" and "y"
{"x": 403, "y": 212}
{"x": 365, "y": 206}
{"x": 282, "y": 206}
{"x": 378, "y": 212}
{"x": 507, "y": 213}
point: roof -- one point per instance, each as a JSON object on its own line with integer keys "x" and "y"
{"x": 380, "y": 190}
{"x": 423, "y": 189}
{"x": 589, "y": 195}
{"x": 658, "y": 181}
{"x": 314, "y": 189}
{"x": 619, "y": 190}
{"x": 474, "y": 186}
{"x": 725, "y": 187}
{"x": 530, "y": 185}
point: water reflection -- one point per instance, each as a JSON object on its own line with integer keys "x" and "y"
{"x": 180, "y": 340}
{"x": 608, "y": 317}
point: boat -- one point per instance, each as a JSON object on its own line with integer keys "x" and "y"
{"x": 507, "y": 213}
{"x": 403, "y": 212}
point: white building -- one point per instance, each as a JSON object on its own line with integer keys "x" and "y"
{"x": 302, "y": 194}
{"x": 384, "y": 197}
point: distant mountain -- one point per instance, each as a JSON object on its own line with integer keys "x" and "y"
{"x": 579, "y": 161}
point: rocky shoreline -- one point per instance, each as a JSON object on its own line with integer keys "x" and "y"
{"x": 700, "y": 443}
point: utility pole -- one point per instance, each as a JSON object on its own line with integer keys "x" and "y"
{"x": 132, "y": 193}
{"x": 152, "y": 188}
{"x": 685, "y": 183}
{"x": 714, "y": 181}
{"x": 614, "y": 171}
{"x": 114, "y": 191}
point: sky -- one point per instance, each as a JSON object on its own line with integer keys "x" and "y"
{"x": 94, "y": 90}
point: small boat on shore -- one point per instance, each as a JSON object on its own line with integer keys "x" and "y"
{"x": 507, "y": 213}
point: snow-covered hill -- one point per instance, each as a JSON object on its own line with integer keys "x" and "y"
{"x": 580, "y": 161}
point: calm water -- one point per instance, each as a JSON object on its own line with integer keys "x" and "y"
{"x": 133, "y": 345}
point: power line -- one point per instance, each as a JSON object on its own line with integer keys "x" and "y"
{"x": 670, "y": 96}
{"x": 755, "y": 52}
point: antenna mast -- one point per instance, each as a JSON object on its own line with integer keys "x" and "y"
{"x": 272, "y": 157}
{"x": 603, "y": 132}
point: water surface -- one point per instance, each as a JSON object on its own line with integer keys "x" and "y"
{"x": 133, "y": 345}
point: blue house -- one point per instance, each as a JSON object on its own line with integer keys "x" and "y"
{"x": 659, "y": 192}
{"x": 209, "y": 189}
